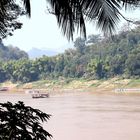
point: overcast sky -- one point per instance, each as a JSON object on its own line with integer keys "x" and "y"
{"x": 41, "y": 31}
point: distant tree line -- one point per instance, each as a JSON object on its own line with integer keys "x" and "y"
{"x": 94, "y": 58}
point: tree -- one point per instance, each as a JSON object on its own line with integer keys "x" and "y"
{"x": 3, "y": 74}
{"x": 117, "y": 64}
{"x": 96, "y": 69}
{"x": 24, "y": 71}
{"x": 79, "y": 44}
{"x": 21, "y": 122}
{"x": 92, "y": 39}
{"x": 133, "y": 64}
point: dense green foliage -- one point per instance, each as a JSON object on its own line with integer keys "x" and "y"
{"x": 20, "y": 122}
{"x": 95, "y": 58}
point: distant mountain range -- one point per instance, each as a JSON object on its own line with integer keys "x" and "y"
{"x": 35, "y": 53}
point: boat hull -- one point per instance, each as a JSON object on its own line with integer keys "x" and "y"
{"x": 40, "y": 95}
{"x": 37, "y": 93}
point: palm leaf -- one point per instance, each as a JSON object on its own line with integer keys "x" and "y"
{"x": 72, "y": 14}
{"x": 69, "y": 15}
{"x": 105, "y": 13}
{"x": 27, "y": 7}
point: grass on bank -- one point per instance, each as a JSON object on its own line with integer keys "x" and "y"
{"x": 74, "y": 84}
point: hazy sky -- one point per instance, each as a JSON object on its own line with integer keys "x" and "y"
{"x": 41, "y": 31}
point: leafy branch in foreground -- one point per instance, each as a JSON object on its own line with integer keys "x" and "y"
{"x": 10, "y": 11}
{"x": 21, "y": 122}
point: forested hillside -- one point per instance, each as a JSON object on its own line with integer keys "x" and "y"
{"x": 94, "y": 58}
{"x": 11, "y": 53}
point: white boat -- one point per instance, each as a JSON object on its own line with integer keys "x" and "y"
{"x": 4, "y": 89}
{"x": 37, "y": 93}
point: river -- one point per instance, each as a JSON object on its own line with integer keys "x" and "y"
{"x": 88, "y": 116}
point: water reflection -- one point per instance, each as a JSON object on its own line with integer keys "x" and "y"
{"x": 88, "y": 116}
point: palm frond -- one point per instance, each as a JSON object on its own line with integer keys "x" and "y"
{"x": 69, "y": 16}
{"x": 27, "y": 7}
{"x": 104, "y": 12}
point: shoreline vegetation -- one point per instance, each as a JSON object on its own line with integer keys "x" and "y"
{"x": 110, "y": 86}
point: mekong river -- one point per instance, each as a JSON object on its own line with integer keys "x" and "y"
{"x": 87, "y": 116}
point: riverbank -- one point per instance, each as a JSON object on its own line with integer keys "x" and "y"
{"x": 75, "y": 85}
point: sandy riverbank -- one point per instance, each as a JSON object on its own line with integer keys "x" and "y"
{"x": 74, "y": 86}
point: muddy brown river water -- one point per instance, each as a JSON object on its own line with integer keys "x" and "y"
{"x": 88, "y": 116}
